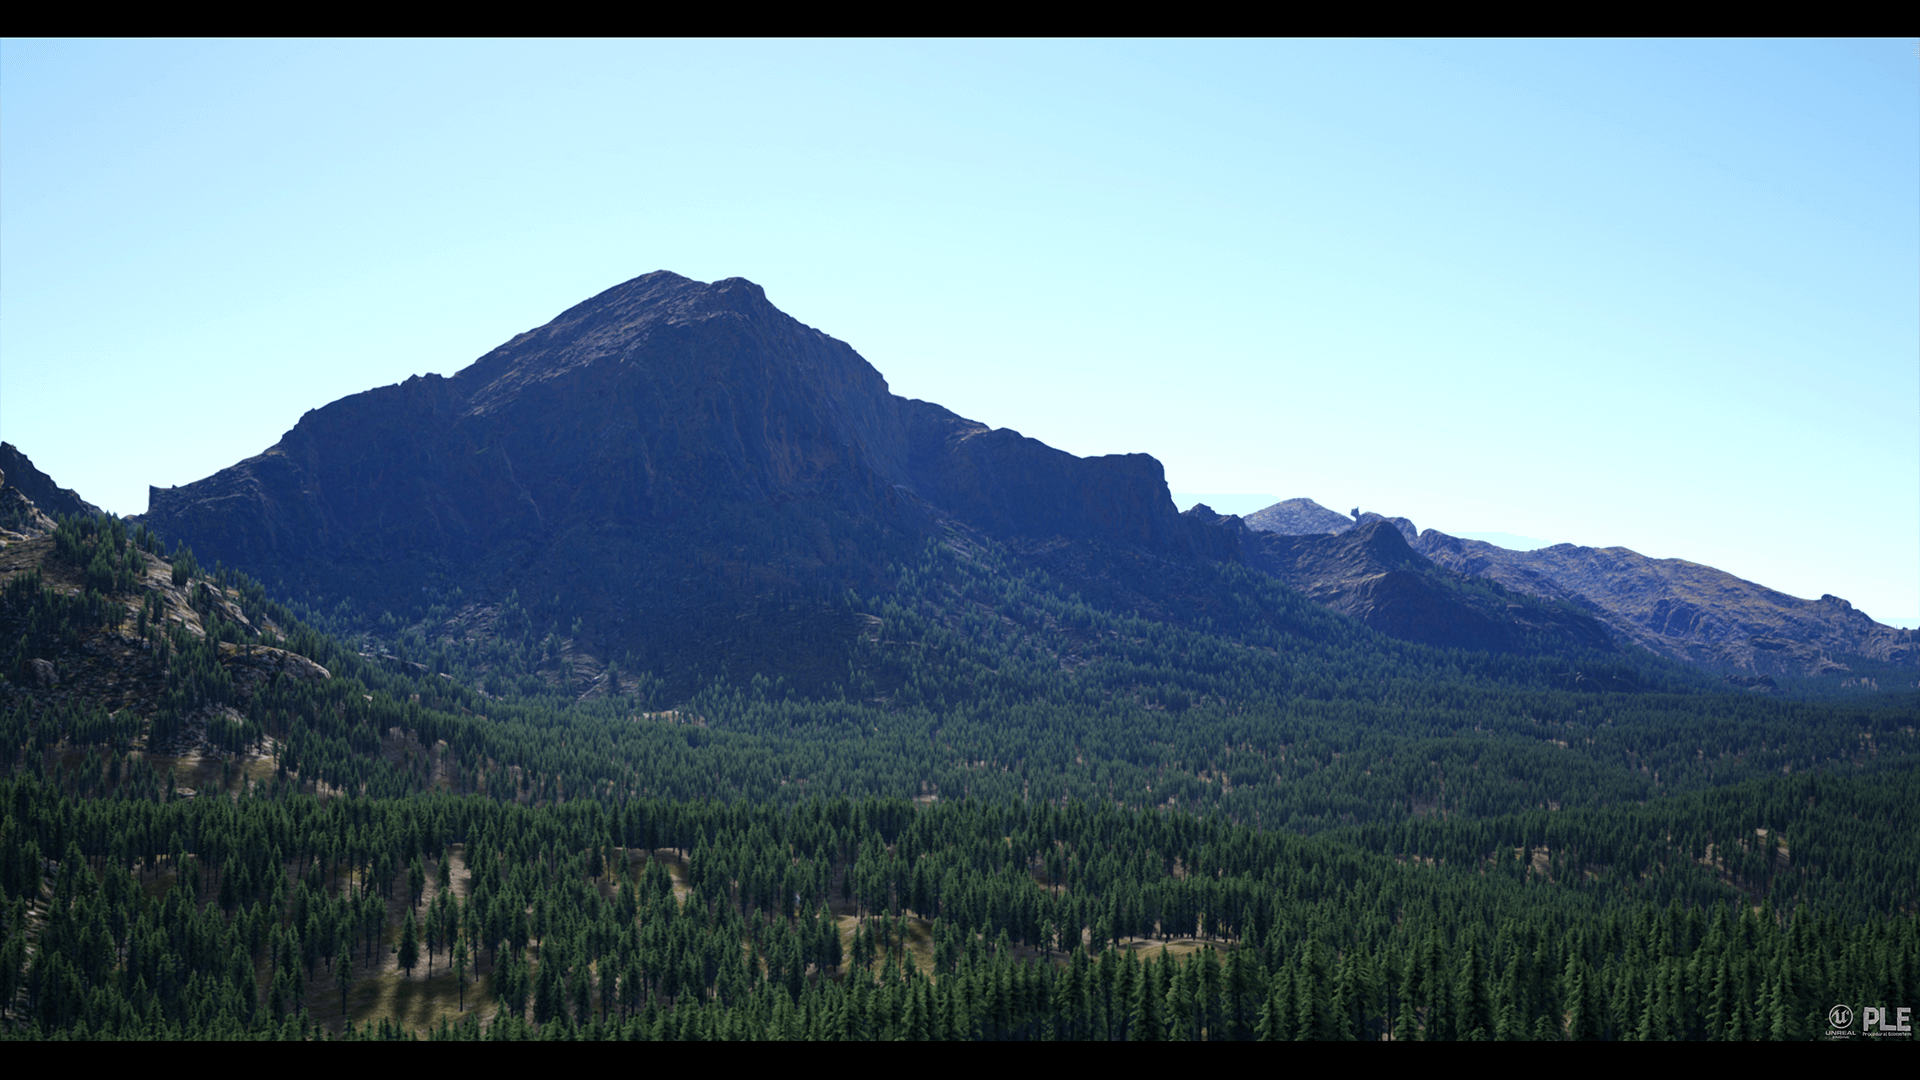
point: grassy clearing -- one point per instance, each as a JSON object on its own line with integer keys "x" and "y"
{"x": 381, "y": 990}
{"x": 418, "y": 1004}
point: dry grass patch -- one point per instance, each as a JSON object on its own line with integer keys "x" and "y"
{"x": 1176, "y": 948}
{"x": 917, "y": 931}
{"x": 676, "y": 867}
{"x": 418, "y": 1004}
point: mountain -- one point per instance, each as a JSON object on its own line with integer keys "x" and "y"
{"x": 1068, "y": 735}
{"x": 678, "y": 475}
{"x": 1688, "y": 611}
{"x": 1298, "y": 517}
{"x": 686, "y": 470}
{"x": 20, "y": 517}
{"x": 1369, "y": 571}
{"x": 52, "y": 499}
{"x": 1674, "y": 608}
{"x": 1304, "y": 517}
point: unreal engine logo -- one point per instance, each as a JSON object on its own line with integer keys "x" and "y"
{"x": 1876, "y": 1022}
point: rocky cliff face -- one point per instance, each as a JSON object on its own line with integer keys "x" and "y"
{"x": 52, "y": 499}
{"x": 1685, "y": 610}
{"x": 1009, "y": 485}
{"x": 681, "y": 460}
{"x": 20, "y": 519}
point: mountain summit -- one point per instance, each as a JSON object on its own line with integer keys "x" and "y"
{"x": 670, "y": 456}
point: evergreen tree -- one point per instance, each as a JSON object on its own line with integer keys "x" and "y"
{"x": 1472, "y": 1005}
{"x": 460, "y": 968}
{"x": 409, "y": 944}
{"x": 1146, "y": 1020}
{"x": 416, "y": 880}
{"x": 343, "y": 973}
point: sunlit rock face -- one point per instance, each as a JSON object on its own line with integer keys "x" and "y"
{"x": 1685, "y": 610}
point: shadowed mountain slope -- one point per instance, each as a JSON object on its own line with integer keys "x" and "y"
{"x": 680, "y": 465}
{"x": 20, "y": 518}
{"x": 52, "y": 499}
{"x": 1370, "y": 573}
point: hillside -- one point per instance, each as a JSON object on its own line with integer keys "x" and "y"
{"x": 1489, "y": 863}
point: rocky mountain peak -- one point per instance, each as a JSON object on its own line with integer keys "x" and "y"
{"x": 665, "y": 446}
{"x": 1298, "y": 517}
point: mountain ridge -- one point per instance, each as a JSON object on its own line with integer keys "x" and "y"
{"x": 1687, "y": 610}
{"x": 1673, "y": 607}
{"x": 693, "y": 475}
{"x": 53, "y": 500}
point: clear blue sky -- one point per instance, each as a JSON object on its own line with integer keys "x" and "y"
{"x": 1656, "y": 294}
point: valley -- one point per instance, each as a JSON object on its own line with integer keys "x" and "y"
{"x": 677, "y": 680}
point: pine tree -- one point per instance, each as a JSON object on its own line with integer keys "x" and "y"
{"x": 436, "y": 919}
{"x": 1277, "y": 1017}
{"x": 1311, "y": 994}
{"x": 1406, "y": 1027}
{"x": 1580, "y": 999}
{"x": 919, "y": 1008}
{"x": 416, "y": 880}
{"x": 460, "y": 969}
{"x": 1434, "y": 985}
{"x": 343, "y": 972}
{"x": 1472, "y": 1006}
{"x": 1146, "y": 1023}
{"x": 409, "y": 944}
{"x": 1182, "y": 1008}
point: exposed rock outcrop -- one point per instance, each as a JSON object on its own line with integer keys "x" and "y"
{"x": 1298, "y": 517}
{"x": 116, "y": 668}
{"x": 253, "y": 666}
{"x": 1678, "y": 609}
{"x": 20, "y": 519}
{"x": 52, "y": 499}
{"x": 1304, "y": 517}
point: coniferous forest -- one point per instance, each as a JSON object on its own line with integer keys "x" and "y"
{"x": 1020, "y": 813}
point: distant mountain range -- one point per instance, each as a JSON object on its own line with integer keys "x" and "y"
{"x": 680, "y": 472}
{"x": 1672, "y": 607}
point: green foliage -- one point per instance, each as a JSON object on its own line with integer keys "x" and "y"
{"x": 1320, "y": 937}
{"x": 1364, "y": 838}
